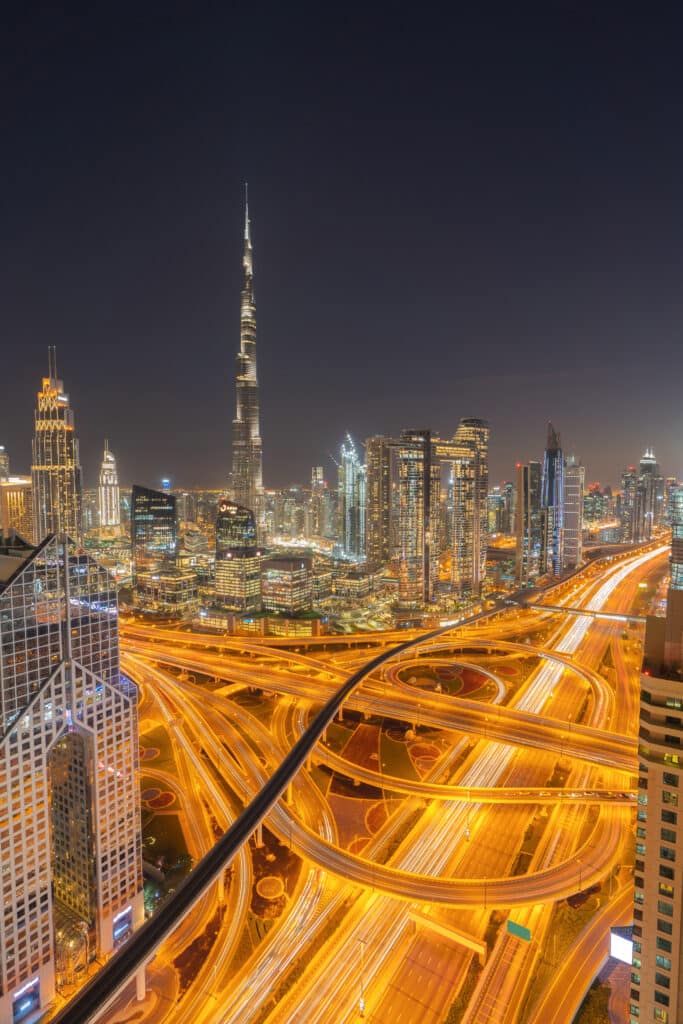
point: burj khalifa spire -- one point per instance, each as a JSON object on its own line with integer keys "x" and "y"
{"x": 247, "y": 475}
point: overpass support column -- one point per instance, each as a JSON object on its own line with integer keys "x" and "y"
{"x": 140, "y": 986}
{"x": 221, "y": 887}
{"x": 309, "y": 762}
{"x": 341, "y": 713}
{"x": 259, "y": 834}
{"x": 289, "y": 797}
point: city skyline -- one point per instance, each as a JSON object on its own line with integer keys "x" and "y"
{"x": 542, "y": 192}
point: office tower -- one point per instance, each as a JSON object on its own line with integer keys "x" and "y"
{"x": 110, "y": 505}
{"x": 381, "y": 507}
{"x": 153, "y": 529}
{"x": 246, "y": 478}
{"x": 4, "y": 462}
{"x": 597, "y": 505}
{"x": 574, "y": 475}
{"x": 419, "y": 513}
{"x": 56, "y": 468}
{"x": 318, "y": 487}
{"x": 552, "y": 502}
{"x": 71, "y": 844}
{"x": 651, "y": 489}
{"x": 287, "y": 585}
{"x": 530, "y": 521}
{"x": 656, "y": 992}
{"x": 238, "y": 559}
{"x": 352, "y": 496}
{"x": 470, "y": 481}
{"x": 16, "y": 505}
{"x": 627, "y": 505}
{"x": 186, "y": 507}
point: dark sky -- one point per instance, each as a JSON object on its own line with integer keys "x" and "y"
{"x": 455, "y": 213}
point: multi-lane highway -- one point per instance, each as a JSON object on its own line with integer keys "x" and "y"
{"x": 459, "y": 826}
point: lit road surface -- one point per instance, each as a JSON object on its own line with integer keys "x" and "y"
{"x": 327, "y": 1005}
{"x": 423, "y": 856}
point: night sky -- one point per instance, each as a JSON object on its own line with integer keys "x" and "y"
{"x": 454, "y": 214}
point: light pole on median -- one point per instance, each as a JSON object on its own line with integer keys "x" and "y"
{"x": 361, "y": 1001}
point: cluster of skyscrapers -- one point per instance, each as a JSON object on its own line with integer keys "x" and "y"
{"x": 549, "y": 514}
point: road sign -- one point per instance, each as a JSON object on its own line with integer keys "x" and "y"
{"x": 519, "y": 930}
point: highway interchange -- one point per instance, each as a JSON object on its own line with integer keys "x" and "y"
{"x": 395, "y": 936}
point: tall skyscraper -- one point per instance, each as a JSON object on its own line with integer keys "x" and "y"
{"x": 318, "y": 487}
{"x": 109, "y": 500}
{"x": 153, "y": 529}
{"x": 56, "y": 468}
{"x": 4, "y": 462}
{"x": 470, "y": 481}
{"x": 574, "y": 475}
{"x": 352, "y": 498}
{"x": 238, "y": 559}
{"x": 529, "y": 526}
{"x": 552, "y": 501}
{"x": 381, "y": 517}
{"x": 419, "y": 514}
{"x": 68, "y": 767}
{"x": 247, "y": 474}
{"x": 656, "y": 990}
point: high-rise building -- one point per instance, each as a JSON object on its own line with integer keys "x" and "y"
{"x": 16, "y": 505}
{"x": 318, "y": 487}
{"x": 110, "y": 504}
{"x": 552, "y": 502}
{"x": 287, "y": 585}
{"x": 70, "y": 831}
{"x": 56, "y": 468}
{"x": 381, "y": 517}
{"x": 656, "y": 989}
{"x": 238, "y": 559}
{"x": 153, "y": 529}
{"x": 247, "y": 475}
{"x": 419, "y": 514}
{"x": 470, "y": 481}
{"x": 352, "y": 498}
{"x": 4, "y": 462}
{"x": 530, "y": 521}
{"x": 651, "y": 488}
{"x": 574, "y": 475}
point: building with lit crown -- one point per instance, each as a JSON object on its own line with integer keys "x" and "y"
{"x": 70, "y": 815}
{"x": 56, "y": 468}
{"x": 109, "y": 499}
{"x": 246, "y": 479}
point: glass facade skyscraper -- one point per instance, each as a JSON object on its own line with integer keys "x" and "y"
{"x": 246, "y": 481}
{"x": 153, "y": 529}
{"x": 352, "y": 501}
{"x": 56, "y": 467}
{"x": 70, "y": 824}
{"x": 552, "y": 502}
{"x": 419, "y": 508}
{"x": 238, "y": 560}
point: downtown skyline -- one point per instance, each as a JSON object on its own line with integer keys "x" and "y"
{"x": 548, "y": 215}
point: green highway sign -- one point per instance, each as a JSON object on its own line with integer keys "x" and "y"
{"x": 519, "y": 930}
